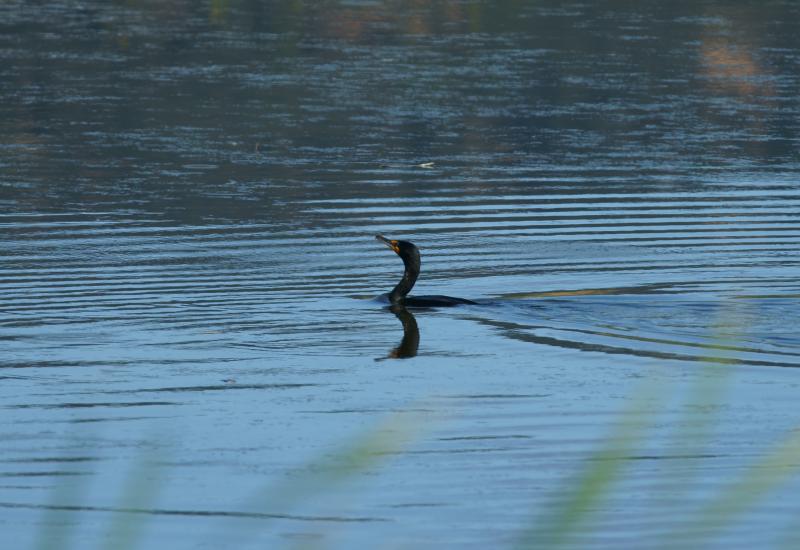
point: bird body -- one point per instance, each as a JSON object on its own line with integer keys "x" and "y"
{"x": 409, "y": 253}
{"x": 431, "y": 300}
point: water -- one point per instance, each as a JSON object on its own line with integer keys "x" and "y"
{"x": 188, "y": 198}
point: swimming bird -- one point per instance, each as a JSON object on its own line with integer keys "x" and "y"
{"x": 409, "y": 253}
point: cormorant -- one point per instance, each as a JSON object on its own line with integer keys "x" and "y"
{"x": 409, "y": 253}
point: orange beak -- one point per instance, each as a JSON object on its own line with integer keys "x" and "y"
{"x": 391, "y": 244}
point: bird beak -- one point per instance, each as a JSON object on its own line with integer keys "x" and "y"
{"x": 389, "y": 243}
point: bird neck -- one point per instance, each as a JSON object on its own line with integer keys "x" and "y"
{"x": 406, "y": 283}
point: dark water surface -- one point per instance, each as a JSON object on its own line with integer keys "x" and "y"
{"x": 188, "y": 198}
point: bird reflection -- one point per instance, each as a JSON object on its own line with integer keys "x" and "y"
{"x": 410, "y": 343}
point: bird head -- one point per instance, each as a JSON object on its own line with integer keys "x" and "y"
{"x": 405, "y": 249}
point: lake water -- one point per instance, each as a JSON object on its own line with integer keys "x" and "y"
{"x": 191, "y": 356}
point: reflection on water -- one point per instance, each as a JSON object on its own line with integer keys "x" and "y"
{"x": 188, "y": 194}
{"x": 410, "y": 343}
{"x": 650, "y": 327}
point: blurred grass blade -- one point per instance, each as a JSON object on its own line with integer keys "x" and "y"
{"x": 141, "y": 488}
{"x": 55, "y": 529}
{"x": 769, "y": 473}
{"x": 321, "y": 475}
{"x": 595, "y": 482}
